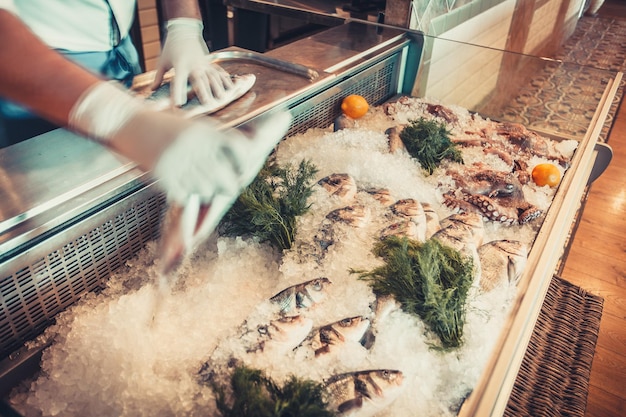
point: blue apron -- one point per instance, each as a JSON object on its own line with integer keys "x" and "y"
{"x": 120, "y": 63}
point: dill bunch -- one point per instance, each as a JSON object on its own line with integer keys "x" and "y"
{"x": 429, "y": 280}
{"x": 254, "y": 395}
{"x": 429, "y": 142}
{"x": 269, "y": 206}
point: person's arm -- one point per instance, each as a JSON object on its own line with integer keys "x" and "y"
{"x": 33, "y": 74}
{"x": 181, "y": 8}
{"x": 189, "y": 157}
{"x": 185, "y": 50}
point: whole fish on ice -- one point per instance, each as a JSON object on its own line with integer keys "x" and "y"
{"x": 328, "y": 338}
{"x": 502, "y": 261}
{"x": 301, "y": 296}
{"x": 363, "y": 393}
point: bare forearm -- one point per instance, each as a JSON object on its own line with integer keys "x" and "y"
{"x": 36, "y": 76}
{"x": 181, "y": 8}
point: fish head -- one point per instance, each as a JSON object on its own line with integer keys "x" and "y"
{"x": 340, "y": 185}
{"x": 407, "y": 207}
{"x": 286, "y": 333}
{"x": 352, "y": 328}
{"x": 315, "y": 290}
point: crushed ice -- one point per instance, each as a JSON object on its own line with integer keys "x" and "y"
{"x": 128, "y": 352}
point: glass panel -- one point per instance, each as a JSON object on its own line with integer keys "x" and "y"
{"x": 551, "y": 96}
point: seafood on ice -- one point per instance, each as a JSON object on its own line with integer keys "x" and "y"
{"x": 304, "y": 311}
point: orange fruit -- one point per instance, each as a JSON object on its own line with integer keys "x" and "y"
{"x": 546, "y": 174}
{"x": 354, "y": 106}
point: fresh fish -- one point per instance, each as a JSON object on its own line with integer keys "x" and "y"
{"x": 382, "y": 195}
{"x": 301, "y": 296}
{"x": 355, "y": 215}
{"x": 408, "y": 207}
{"x": 348, "y": 330}
{"x": 161, "y": 100}
{"x": 343, "y": 122}
{"x": 432, "y": 220}
{"x": 404, "y": 228}
{"x": 462, "y": 229}
{"x": 463, "y": 232}
{"x": 282, "y": 335}
{"x": 395, "y": 141}
{"x": 340, "y": 185}
{"x": 502, "y": 261}
{"x": 411, "y": 209}
{"x": 363, "y": 393}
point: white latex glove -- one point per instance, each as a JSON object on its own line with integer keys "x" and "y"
{"x": 190, "y": 158}
{"x": 185, "y": 51}
{"x": 207, "y": 162}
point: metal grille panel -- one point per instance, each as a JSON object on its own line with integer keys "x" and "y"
{"x": 376, "y": 86}
{"x": 34, "y": 294}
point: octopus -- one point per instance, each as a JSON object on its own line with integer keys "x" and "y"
{"x": 514, "y": 144}
{"x": 496, "y": 195}
{"x": 445, "y": 113}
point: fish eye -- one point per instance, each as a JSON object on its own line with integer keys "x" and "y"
{"x": 386, "y": 374}
{"x": 317, "y": 285}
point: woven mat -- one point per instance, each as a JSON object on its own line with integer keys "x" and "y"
{"x": 554, "y": 377}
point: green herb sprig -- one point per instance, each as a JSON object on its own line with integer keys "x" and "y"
{"x": 429, "y": 142}
{"x": 269, "y": 206}
{"x": 254, "y": 395}
{"x": 429, "y": 280}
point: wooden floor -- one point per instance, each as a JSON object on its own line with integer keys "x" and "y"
{"x": 597, "y": 263}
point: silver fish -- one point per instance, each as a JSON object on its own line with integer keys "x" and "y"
{"x": 301, "y": 296}
{"x": 405, "y": 228}
{"x": 411, "y": 209}
{"x": 161, "y": 100}
{"x": 408, "y": 207}
{"x": 462, "y": 229}
{"x": 282, "y": 335}
{"x": 326, "y": 338}
{"x": 382, "y": 195}
{"x": 340, "y": 185}
{"x": 355, "y": 215}
{"x": 394, "y": 140}
{"x": 501, "y": 261}
{"x": 363, "y": 392}
{"x": 343, "y": 122}
{"x": 432, "y": 220}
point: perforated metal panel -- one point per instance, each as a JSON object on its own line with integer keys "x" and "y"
{"x": 49, "y": 281}
{"x": 376, "y": 85}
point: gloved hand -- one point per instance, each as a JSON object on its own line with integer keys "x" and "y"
{"x": 188, "y": 157}
{"x": 185, "y": 51}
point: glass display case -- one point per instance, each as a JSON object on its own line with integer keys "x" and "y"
{"x": 63, "y": 234}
